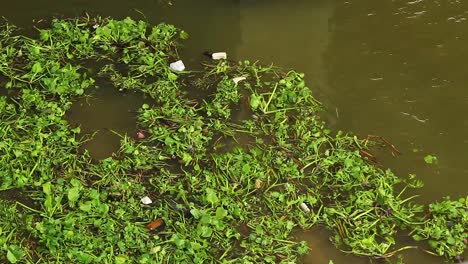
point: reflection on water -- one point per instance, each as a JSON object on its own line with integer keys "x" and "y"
{"x": 397, "y": 70}
{"x": 104, "y": 111}
{"x": 392, "y": 68}
{"x": 322, "y": 251}
{"x": 294, "y": 36}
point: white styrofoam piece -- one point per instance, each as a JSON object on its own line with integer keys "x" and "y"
{"x": 305, "y": 208}
{"x": 219, "y": 55}
{"x": 177, "y": 66}
{"x": 238, "y": 79}
{"x": 146, "y": 200}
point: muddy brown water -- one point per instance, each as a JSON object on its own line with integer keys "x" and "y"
{"x": 393, "y": 68}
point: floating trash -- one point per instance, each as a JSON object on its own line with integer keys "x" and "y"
{"x": 305, "y": 208}
{"x": 238, "y": 79}
{"x": 140, "y": 135}
{"x": 155, "y": 224}
{"x": 177, "y": 66}
{"x": 258, "y": 183}
{"x": 146, "y": 200}
{"x": 219, "y": 55}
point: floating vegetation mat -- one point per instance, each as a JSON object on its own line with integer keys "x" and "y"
{"x": 225, "y": 178}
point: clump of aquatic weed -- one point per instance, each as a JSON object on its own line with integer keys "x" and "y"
{"x": 446, "y": 228}
{"x": 230, "y": 176}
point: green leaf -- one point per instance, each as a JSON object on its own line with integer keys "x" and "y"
{"x": 85, "y": 207}
{"x": 348, "y": 162}
{"x": 48, "y": 203}
{"x": 221, "y": 212}
{"x": 76, "y": 130}
{"x": 103, "y": 209}
{"x": 211, "y": 196}
{"x": 196, "y": 246}
{"x": 79, "y": 91}
{"x": 46, "y": 188}
{"x": 37, "y": 68}
{"x": 246, "y": 168}
{"x": 179, "y": 242}
{"x": 121, "y": 259}
{"x": 219, "y": 224}
{"x": 451, "y": 240}
{"x": 259, "y": 230}
{"x": 206, "y": 219}
{"x": 205, "y": 231}
{"x": 184, "y": 35}
{"x": 76, "y": 183}
{"x": 84, "y": 257}
{"x": 186, "y": 158}
{"x": 11, "y": 257}
{"x": 196, "y": 213}
{"x": 44, "y": 34}
{"x": 255, "y": 101}
{"x": 290, "y": 225}
{"x": 429, "y": 159}
{"x": 172, "y": 76}
{"x": 73, "y": 194}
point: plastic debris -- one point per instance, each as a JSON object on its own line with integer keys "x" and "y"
{"x": 140, "y": 135}
{"x": 146, "y": 200}
{"x": 238, "y": 79}
{"x": 305, "y": 208}
{"x": 258, "y": 183}
{"x": 155, "y": 224}
{"x": 219, "y": 55}
{"x": 177, "y": 66}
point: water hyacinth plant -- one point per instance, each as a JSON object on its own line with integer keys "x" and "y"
{"x": 230, "y": 176}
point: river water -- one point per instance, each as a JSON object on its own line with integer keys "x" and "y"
{"x": 392, "y": 68}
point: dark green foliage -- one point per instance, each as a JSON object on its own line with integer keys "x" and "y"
{"x": 446, "y": 228}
